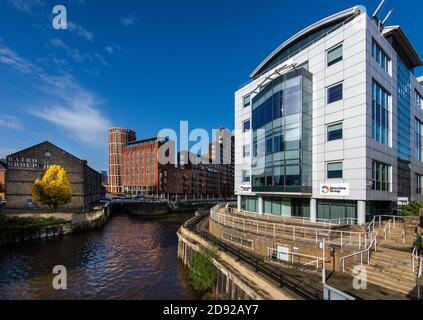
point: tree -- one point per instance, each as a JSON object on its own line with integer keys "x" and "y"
{"x": 413, "y": 209}
{"x": 202, "y": 271}
{"x": 54, "y": 189}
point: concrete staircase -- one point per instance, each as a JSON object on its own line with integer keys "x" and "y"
{"x": 391, "y": 265}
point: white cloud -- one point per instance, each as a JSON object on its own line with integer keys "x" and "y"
{"x": 27, "y": 6}
{"x": 72, "y": 52}
{"x": 80, "y": 31}
{"x": 128, "y": 20}
{"x": 76, "y": 55}
{"x": 10, "y": 122}
{"x": 77, "y": 110}
{"x": 9, "y": 57}
{"x": 70, "y": 107}
{"x": 112, "y": 48}
{"x": 6, "y": 151}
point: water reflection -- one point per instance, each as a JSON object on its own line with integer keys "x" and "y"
{"x": 127, "y": 259}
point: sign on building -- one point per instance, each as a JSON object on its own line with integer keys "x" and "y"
{"x": 283, "y": 253}
{"x": 245, "y": 188}
{"x": 18, "y": 162}
{"x": 335, "y": 189}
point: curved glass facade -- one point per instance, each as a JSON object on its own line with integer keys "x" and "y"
{"x": 301, "y": 44}
{"x": 404, "y": 129}
{"x": 282, "y": 135}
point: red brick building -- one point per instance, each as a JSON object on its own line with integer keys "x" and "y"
{"x": 141, "y": 165}
{"x": 2, "y": 179}
{"x": 118, "y": 138}
{"x": 150, "y": 167}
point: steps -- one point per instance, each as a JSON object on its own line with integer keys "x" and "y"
{"x": 391, "y": 265}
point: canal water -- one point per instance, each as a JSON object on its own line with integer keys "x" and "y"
{"x": 129, "y": 258}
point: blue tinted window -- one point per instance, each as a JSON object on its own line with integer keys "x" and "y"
{"x": 335, "y": 170}
{"x": 246, "y": 126}
{"x": 335, "y": 55}
{"x": 381, "y": 57}
{"x": 335, "y": 93}
{"x": 335, "y": 132}
{"x": 247, "y": 101}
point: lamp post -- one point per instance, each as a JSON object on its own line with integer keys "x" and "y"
{"x": 324, "y": 261}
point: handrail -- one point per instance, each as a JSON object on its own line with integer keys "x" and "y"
{"x": 387, "y": 229}
{"x": 392, "y": 223}
{"x": 325, "y": 222}
{"x": 337, "y": 237}
{"x": 372, "y": 243}
{"x": 272, "y": 252}
{"x": 416, "y": 257}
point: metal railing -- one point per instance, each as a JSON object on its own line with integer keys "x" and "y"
{"x": 303, "y": 220}
{"x": 285, "y": 279}
{"x": 292, "y": 232}
{"x": 392, "y": 223}
{"x": 373, "y": 243}
{"x": 419, "y": 259}
{"x": 296, "y": 258}
{"x": 387, "y": 229}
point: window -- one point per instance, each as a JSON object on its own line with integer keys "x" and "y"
{"x": 419, "y": 184}
{"x": 247, "y": 101}
{"x": 381, "y": 173}
{"x": 419, "y": 100}
{"x": 304, "y": 65}
{"x": 246, "y": 176}
{"x": 381, "y": 118}
{"x": 335, "y": 170}
{"x": 246, "y": 151}
{"x": 419, "y": 140}
{"x": 335, "y": 93}
{"x": 246, "y": 126}
{"x": 381, "y": 57}
{"x": 335, "y": 55}
{"x": 335, "y": 132}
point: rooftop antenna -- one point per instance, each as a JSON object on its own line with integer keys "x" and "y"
{"x": 387, "y": 17}
{"x": 378, "y": 9}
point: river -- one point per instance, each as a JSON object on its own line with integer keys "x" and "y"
{"x": 129, "y": 258}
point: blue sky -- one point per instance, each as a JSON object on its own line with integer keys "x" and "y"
{"x": 143, "y": 65}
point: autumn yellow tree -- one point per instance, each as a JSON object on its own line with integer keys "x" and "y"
{"x": 54, "y": 189}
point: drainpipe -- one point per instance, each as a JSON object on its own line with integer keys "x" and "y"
{"x": 313, "y": 210}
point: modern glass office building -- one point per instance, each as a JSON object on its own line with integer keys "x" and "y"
{"x": 329, "y": 123}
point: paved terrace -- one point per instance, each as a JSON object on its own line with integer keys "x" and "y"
{"x": 313, "y": 280}
{"x": 293, "y": 229}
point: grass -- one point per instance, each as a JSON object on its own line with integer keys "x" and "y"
{"x": 20, "y": 224}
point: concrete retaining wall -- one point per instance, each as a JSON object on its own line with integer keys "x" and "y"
{"x": 74, "y": 223}
{"x": 235, "y": 280}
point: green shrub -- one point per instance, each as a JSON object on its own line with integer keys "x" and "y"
{"x": 419, "y": 243}
{"x": 202, "y": 271}
{"x": 413, "y": 209}
{"x": 19, "y": 224}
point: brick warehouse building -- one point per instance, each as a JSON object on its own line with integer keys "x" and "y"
{"x": 142, "y": 172}
{"x": 25, "y": 166}
{"x": 2, "y": 179}
{"x": 140, "y": 166}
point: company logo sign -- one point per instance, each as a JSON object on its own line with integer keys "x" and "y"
{"x": 332, "y": 189}
{"x": 245, "y": 188}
